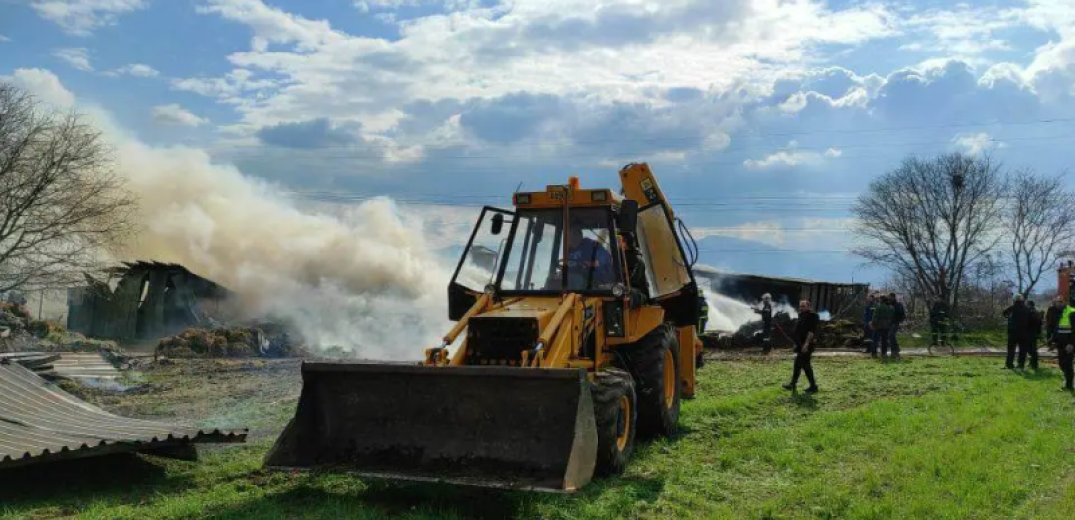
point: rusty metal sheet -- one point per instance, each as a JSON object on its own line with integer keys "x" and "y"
{"x": 39, "y": 422}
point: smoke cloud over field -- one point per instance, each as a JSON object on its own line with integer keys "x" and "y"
{"x": 363, "y": 279}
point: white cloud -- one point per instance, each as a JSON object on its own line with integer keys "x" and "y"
{"x": 788, "y": 233}
{"x": 1052, "y": 72}
{"x": 4, "y": 39}
{"x": 556, "y": 47}
{"x": 965, "y": 31}
{"x": 233, "y": 88}
{"x": 792, "y": 157}
{"x": 43, "y": 84}
{"x": 975, "y": 144}
{"x": 174, "y": 114}
{"x": 82, "y": 17}
{"x": 134, "y": 69}
{"x": 78, "y": 58}
{"x": 366, "y": 6}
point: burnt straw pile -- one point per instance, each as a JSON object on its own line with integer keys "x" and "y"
{"x": 830, "y": 334}
{"x": 232, "y": 342}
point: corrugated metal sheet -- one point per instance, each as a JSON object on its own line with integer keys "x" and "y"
{"x": 39, "y": 422}
{"x": 84, "y": 365}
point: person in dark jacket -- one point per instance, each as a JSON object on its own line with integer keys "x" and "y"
{"x": 805, "y": 330}
{"x": 938, "y": 322}
{"x": 881, "y": 324}
{"x": 1052, "y": 319}
{"x": 1018, "y": 316}
{"x": 766, "y": 312}
{"x": 1030, "y": 344}
{"x": 867, "y": 330}
{"x": 899, "y": 314}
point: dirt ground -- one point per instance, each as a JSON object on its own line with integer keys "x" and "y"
{"x": 258, "y": 394}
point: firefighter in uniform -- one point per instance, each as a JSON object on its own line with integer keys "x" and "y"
{"x": 703, "y": 313}
{"x": 766, "y": 312}
{"x": 1065, "y": 346}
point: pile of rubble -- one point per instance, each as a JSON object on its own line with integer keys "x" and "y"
{"x": 19, "y": 332}
{"x": 231, "y": 342}
{"x": 14, "y": 327}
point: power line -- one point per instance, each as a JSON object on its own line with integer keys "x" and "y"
{"x": 374, "y": 146}
{"x": 627, "y": 155}
{"x": 763, "y": 198}
{"x": 780, "y": 251}
{"x": 693, "y": 166}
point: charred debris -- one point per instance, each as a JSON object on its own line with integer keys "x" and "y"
{"x": 188, "y": 314}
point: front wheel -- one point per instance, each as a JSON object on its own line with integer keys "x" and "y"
{"x": 655, "y": 363}
{"x": 616, "y": 412}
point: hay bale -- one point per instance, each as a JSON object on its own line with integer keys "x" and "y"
{"x": 241, "y": 350}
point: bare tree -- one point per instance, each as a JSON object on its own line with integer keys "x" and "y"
{"x": 1038, "y": 222}
{"x": 61, "y": 204}
{"x": 929, "y": 219}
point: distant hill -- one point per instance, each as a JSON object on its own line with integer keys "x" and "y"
{"x": 747, "y": 256}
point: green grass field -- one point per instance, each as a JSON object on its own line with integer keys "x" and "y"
{"x": 924, "y": 438}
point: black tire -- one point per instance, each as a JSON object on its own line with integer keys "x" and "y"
{"x": 656, "y": 417}
{"x": 609, "y": 388}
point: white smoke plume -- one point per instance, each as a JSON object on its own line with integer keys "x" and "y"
{"x": 364, "y": 281}
{"x": 729, "y": 314}
{"x": 726, "y": 313}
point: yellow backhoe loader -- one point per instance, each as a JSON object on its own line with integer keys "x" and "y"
{"x": 579, "y": 309}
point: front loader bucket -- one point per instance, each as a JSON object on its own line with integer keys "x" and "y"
{"x": 505, "y": 427}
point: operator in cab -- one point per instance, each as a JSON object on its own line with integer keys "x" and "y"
{"x": 585, "y": 258}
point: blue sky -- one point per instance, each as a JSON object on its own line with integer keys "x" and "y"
{"x": 762, "y": 118}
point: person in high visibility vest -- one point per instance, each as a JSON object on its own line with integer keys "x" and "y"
{"x": 1065, "y": 346}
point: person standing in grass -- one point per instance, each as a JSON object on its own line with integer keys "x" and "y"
{"x": 1065, "y": 345}
{"x": 883, "y": 316}
{"x": 1030, "y": 341}
{"x": 938, "y": 323}
{"x": 899, "y": 314}
{"x": 805, "y": 328}
{"x": 1052, "y": 318}
{"x": 1018, "y": 325}
{"x": 766, "y": 312}
{"x": 867, "y": 330}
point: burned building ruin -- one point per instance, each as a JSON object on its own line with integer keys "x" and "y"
{"x": 149, "y": 300}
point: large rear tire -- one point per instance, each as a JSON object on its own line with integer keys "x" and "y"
{"x": 655, "y": 364}
{"x": 616, "y": 412}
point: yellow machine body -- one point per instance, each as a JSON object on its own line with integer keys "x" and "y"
{"x": 512, "y": 397}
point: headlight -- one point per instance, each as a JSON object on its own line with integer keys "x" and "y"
{"x": 619, "y": 290}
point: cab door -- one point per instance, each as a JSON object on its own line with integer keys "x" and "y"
{"x": 480, "y": 260}
{"x": 669, "y": 279}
